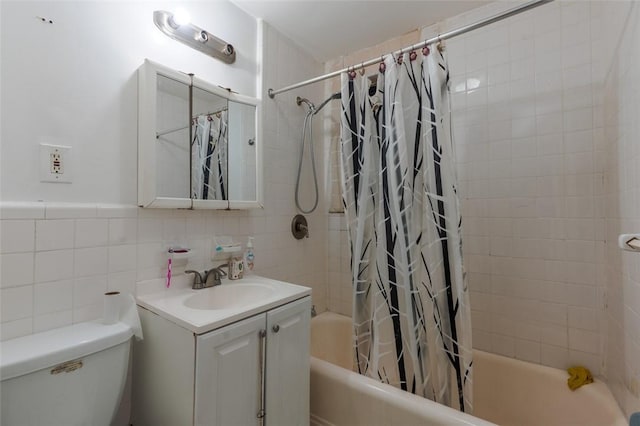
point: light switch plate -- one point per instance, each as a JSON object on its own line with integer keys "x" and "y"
{"x": 55, "y": 163}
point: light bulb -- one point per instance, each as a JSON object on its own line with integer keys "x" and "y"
{"x": 181, "y": 17}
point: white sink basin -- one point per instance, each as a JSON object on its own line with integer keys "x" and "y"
{"x": 228, "y": 296}
{"x": 208, "y": 309}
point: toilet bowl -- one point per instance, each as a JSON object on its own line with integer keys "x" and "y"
{"x": 73, "y": 375}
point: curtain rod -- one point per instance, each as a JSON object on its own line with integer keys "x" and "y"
{"x": 462, "y": 30}
{"x": 175, "y": 129}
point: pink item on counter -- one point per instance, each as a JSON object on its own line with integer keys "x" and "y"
{"x": 169, "y": 272}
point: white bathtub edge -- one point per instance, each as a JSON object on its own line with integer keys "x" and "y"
{"x": 340, "y": 392}
{"x": 394, "y": 398}
{"x": 318, "y": 421}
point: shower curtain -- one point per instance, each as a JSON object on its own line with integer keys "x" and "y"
{"x": 412, "y": 325}
{"x": 209, "y": 157}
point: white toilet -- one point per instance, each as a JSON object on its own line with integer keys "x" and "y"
{"x": 68, "y": 376}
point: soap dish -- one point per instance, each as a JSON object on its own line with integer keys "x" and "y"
{"x": 178, "y": 253}
{"x": 225, "y": 252}
{"x": 224, "y": 248}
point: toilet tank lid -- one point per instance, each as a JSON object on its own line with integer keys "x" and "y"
{"x": 27, "y": 354}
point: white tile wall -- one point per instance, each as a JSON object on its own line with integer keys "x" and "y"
{"x": 339, "y": 297}
{"x": 91, "y": 232}
{"x": 17, "y": 303}
{"x": 58, "y": 259}
{"x": 17, "y": 269}
{"x": 524, "y": 100}
{"x": 17, "y": 236}
{"x": 54, "y": 234}
{"x": 622, "y": 188}
{"x": 51, "y": 265}
{"x": 53, "y": 297}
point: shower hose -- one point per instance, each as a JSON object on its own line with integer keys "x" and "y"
{"x": 308, "y": 121}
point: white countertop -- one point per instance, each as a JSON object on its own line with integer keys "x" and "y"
{"x": 170, "y": 303}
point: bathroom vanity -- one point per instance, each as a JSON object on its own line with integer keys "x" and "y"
{"x": 234, "y": 354}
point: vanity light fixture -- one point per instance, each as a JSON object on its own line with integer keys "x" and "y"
{"x": 178, "y": 28}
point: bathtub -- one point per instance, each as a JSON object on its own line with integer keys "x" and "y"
{"x": 506, "y": 391}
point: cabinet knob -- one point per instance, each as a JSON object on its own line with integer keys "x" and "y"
{"x": 275, "y": 328}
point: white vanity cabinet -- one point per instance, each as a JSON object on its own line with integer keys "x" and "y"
{"x": 287, "y": 396}
{"x": 226, "y": 376}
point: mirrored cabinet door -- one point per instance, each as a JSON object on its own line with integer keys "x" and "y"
{"x": 172, "y": 138}
{"x": 163, "y": 137}
{"x": 242, "y": 152}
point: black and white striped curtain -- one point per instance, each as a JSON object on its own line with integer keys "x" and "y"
{"x": 209, "y": 157}
{"x": 411, "y": 314}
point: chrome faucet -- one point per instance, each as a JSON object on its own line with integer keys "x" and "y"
{"x": 212, "y": 276}
{"x": 197, "y": 279}
{"x": 206, "y": 279}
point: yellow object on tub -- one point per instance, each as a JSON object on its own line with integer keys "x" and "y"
{"x": 578, "y": 376}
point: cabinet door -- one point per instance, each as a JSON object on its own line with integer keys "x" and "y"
{"x": 228, "y": 374}
{"x": 288, "y": 364}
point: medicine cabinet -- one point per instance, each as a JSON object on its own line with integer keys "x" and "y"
{"x": 198, "y": 144}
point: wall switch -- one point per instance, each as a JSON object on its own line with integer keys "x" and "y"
{"x": 55, "y": 163}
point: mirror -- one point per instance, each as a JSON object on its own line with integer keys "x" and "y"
{"x": 172, "y": 138}
{"x": 242, "y": 151}
{"x": 198, "y": 144}
{"x": 209, "y": 146}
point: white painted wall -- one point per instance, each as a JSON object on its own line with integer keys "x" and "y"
{"x": 74, "y": 83}
{"x": 57, "y": 257}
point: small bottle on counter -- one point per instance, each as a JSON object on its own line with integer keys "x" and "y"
{"x": 236, "y": 268}
{"x": 249, "y": 256}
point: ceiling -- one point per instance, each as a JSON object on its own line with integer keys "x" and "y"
{"x": 328, "y": 29}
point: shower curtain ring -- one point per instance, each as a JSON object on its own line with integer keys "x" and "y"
{"x": 351, "y": 72}
{"x": 383, "y": 66}
{"x": 425, "y": 49}
{"x": 362, "y": 69}
{"x": 440, "y": 46}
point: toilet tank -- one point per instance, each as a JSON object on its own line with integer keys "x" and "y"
{"x": 73, "y": 375}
